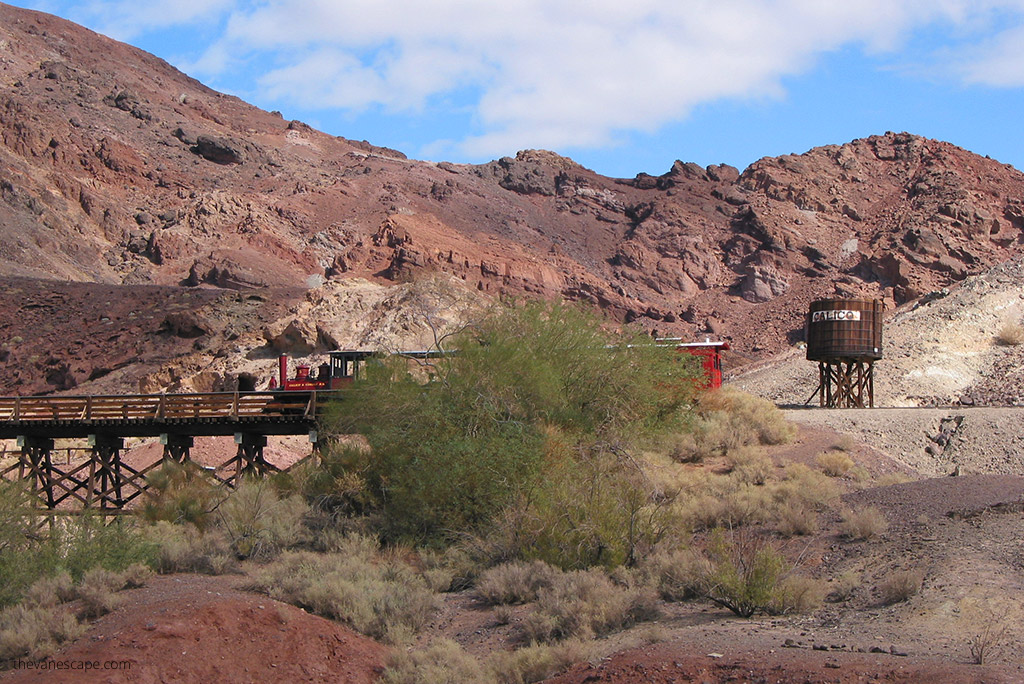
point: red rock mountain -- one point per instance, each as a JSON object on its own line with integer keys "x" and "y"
{"x": 150, "y": 194}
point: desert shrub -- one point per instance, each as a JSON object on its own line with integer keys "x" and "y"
{"x": 845, "y": 442}
{"x": 675, "y": 574}
{"x": 533, "y": 385}
{"x": 747, "y": 575}
{"x": 1011, "y": 334}
{"x": 70, "y": 545}
{"x": 986, "y": 625}
{"x": 900, "y": 585}
{"x": 749, "y": 466}
{"x": 98, "y": 592}
{"x": 834, "y": 464}
{"x": 179, "y": 494}
{"x": 863, "y": 524}
{"x": 442, "y": 661}
{"x": 538, "y": 662}
{"x": 585, "y": 603}
{"x": 599, "y": 510}
{"x": 737, "y": 419}
{"x": 184, "y": 548}
{"x": 807, "y": 486}
{"x": 744, "y": 505}
{"x": 797, "y": 594}
{"x": 890, "y": 479}
{"x": 843, "y": 586}
{"x": 136, "y": 576}
{"x": 387, "y": 601}
{"x": 794, "y": 518}
{"x": 515, "y": 582}
{"x": 260, "y": 523}
{"x": 50, "y": 591}
{"x": 35, "y": 632}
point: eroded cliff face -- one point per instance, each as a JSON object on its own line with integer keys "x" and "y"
{"x": 117, "y": 169}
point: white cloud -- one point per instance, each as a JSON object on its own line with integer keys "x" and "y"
{"x": 127, "y": 19}
{"x": 561, "y": 73}
{"x": 998, "y": 63}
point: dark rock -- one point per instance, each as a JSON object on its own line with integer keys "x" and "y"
{"x": 184, "y": 324}
{"x": 218, "y": 150}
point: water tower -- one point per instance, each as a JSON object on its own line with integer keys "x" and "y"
{"x": 845, "y": 337}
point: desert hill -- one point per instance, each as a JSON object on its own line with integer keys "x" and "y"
{"x": 117, "y": 170}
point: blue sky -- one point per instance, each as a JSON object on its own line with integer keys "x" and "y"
{"x": 621, "y": 86}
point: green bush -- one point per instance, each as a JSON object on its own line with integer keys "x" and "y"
{"x": 534, "y": 391}
{"x": 72, "y": 545}
{"x": 747, "y": 575}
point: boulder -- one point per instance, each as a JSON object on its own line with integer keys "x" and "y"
{"x": 218, "y": 150}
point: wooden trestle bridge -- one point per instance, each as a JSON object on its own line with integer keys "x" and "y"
{"x": 103, "y": 480}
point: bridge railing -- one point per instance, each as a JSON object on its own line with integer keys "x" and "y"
{"x": 224, "y": 405}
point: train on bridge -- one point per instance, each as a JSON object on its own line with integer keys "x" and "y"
{"x": 343, "y": 366}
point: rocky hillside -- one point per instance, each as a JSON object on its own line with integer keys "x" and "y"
{"x": 116, "y": 169}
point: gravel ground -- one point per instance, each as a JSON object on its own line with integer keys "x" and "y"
{"x": 933, "y": 441}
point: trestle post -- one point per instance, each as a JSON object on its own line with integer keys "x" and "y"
{"x": 36, "y": 464}
{"x": 846, "y": 383}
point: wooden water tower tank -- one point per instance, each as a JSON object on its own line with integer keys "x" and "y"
{"x": 845, "y": 337}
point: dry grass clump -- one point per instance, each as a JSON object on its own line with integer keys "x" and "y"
{"x": 258, "y": 522}
{"x": 843, "y": 586}
{"x": 808, "y": 486}
{"x": 834, "y": 464}
{"x": 890, "y": 479}
{"x": 900, "y": 586}
{"x": 443, "y": 661}
{"x": 184, "y": 548}
{"x": 382, "y": 598}
{"x": 794, "y": 518}
{"x": 1011, "y": 334}
{"x": 727, "y": 420}
{"x": 863, "y": 524}
{"x": 538, "y": 662}
{"x": 797, "y": 594}
{"x": 675, "y": 574}
{"x": 585, "y": 603}
{"x": 749, "y": 466}
{"x": 98, "y": 592}
{"x": 845, "y": 442}
{"x": 35, "y": 632}
{"x": 746, "y": 505}
{"x": 50, "y": 591}
{"x": 515, "y": 582}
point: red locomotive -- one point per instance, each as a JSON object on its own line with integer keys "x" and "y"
{"x": 710, "y": 354}
{"x": 340, "y": 370}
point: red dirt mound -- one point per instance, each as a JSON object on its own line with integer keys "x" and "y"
{"x": 190, "y": 628}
